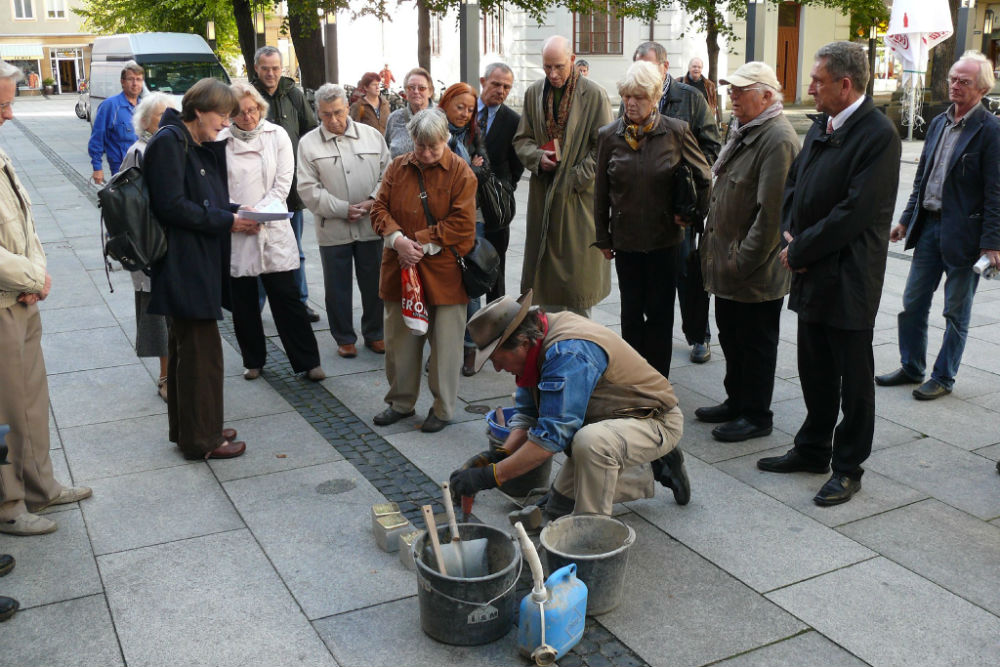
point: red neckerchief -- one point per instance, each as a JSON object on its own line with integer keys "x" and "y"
{"x": 532, "y": 369}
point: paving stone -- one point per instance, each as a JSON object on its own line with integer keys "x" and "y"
{"x": 992, "y": 452}
{"x": 118, "y": 448}
{"x": 917, "y": 622}
{"x": 755, "y": 538}
{"x": 948, "y": 419}
{"x": 105, "y": 347}
{"x": 102, "y": 395}
{"x": 319, "y": 538}
{"x": 57, "y": 320}
{"x": 400, "y": 641}
{"x": 75, "y": 633}
{"x": 707, "y": 380}
{"x": 696, "y": 598}
{"x": 146, "y": 508}
{"x": 51, "y": 568}
{"x": 245, "y": 399}
{"x": 953, "y": 476}
{"x": 878, "y": 493}
{"x": 277, "y": 442}
{"x": 938, "y": 542}
{"x": 789, "y": 416}
{"x": 808, "y": 648}
{"x": 212, "y": 600}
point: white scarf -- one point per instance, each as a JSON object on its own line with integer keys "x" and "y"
{"x": 737, "y": 133}
{"x": 247, "y": 136}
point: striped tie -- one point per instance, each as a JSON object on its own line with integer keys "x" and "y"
{"x": 483, "y": 118}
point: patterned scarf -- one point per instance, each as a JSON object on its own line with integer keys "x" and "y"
{"x": 739, "y": 131}
{"x": 634, "y": 133}
{"x": 459, "y": 135}
{"x": 247, "y": 136}
{"x": 555, "y": 119}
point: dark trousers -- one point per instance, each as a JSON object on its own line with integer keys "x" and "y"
{"x": 194, "y": 385}
{"x": 366, "y": 256}
{"x": 836, "y": 370}
{"x": 290, "y": 318}
{"x": 688, "y": 245}
{"x": 500, "y": 240}
{"x": 748, "y": 333}
{"x": 646, "y": 282}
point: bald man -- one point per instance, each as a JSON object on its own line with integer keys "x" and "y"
{"x": 560, "y": 264}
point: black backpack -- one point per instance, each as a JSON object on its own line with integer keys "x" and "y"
{"x": 131, "y": 233}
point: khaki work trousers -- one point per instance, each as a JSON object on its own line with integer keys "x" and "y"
{"x": 404, "y": 358}
{"x": 27, "y": 483}
{"x": 610, "y": 461}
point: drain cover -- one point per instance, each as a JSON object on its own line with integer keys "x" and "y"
{"x": 478, "y": 409}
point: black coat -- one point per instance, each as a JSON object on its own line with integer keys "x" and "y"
{"x": 970, "y": 198}
{"x": 189, "y": 194}
{"x": 500, "y": 145}
{"x": 838, "y": 205}
{"x": 289, "y": 108}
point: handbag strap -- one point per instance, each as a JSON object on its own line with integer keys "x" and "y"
{"x": 427, "y": 212}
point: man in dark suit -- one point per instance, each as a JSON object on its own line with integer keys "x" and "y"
{"x": 499, "y": 123}
{"x": 952, "y": 219}
{"x": 838, "y": 203}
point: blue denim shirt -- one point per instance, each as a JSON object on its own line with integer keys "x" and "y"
{"x": 113, "y": 133}
{"x": 570, "y": 372}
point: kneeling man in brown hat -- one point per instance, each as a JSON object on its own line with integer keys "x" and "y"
{"x": 584, "y": 391}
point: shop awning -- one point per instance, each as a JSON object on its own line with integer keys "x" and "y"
{"x": 21, "y": 51}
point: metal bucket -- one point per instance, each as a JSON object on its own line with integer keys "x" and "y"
{"x": 468, "y": 612}
{"x": 599, "y": 546}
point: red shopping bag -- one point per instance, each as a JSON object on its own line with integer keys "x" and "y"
{"x": 414, "y": 307}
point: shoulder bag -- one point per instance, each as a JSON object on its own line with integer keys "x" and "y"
{"x": 495, "y": 197}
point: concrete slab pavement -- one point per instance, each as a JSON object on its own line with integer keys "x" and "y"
{"x": 268, "y": 559}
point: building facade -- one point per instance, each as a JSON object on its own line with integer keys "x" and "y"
{"x": 46, "y": 40}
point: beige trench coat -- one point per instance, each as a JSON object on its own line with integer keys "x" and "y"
{"x": 559, "y": 262}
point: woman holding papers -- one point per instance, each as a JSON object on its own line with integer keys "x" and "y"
{"x": 260, "y": 167}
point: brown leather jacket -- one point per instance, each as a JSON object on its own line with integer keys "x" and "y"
{"x": 633, "y": 208}
{"x": 363, "y": 112}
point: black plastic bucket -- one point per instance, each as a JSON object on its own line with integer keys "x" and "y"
{"x": 468, "y": 612}
{"x": 599, "y": 546}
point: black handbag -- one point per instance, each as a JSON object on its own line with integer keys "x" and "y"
{"x": 480, "y": 266}
{"x": 495, "y": 197}
{"x": 685, "y": 195}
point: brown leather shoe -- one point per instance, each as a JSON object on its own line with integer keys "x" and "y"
{"x": 469, "y": 362}
{"x": 229, "y": 434}
{"x": 227, "y": 450}
{"x": 348, "y": 351}
{"x": 376, "y": 346}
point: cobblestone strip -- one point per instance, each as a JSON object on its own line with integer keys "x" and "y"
{"x": 81, "y": 182}
{"x": 401, "y": 482}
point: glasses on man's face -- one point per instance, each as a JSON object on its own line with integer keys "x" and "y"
{"x": 964, "y": 83}
{"x": 735, "y": 91}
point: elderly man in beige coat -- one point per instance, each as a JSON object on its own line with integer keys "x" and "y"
{"x": 341, "y": 163}
{"x": 560, "y": 264}
{"x": 27, "y": 485}
{"x": 740, "y": 247}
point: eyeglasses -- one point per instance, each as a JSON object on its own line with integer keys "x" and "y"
{"x": 417, "y": 89}
{"x": 254, "y": 111}
{"x": 964, "y": 83}
{"x": 735, "y": 91}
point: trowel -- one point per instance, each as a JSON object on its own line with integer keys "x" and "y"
{"x": 465, "y": 559}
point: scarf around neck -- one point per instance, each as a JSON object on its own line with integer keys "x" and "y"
{"x": 247, "y": 136}
{"x": 532, "y": 369}
{"x": 556, "y": 118}
{"x": 737, "y": 134}
{"x": 635, "y": 133}
{"x": 457, "y": 142}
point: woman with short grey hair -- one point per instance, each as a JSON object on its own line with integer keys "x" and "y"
{"x": 429, "y": 246}
{"x": 150, "y": 330}
{"x": 419, "y": 89}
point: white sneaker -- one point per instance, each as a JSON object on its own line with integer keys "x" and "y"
{"x": 69, "y": 494}
{"x": 28, "y": 524}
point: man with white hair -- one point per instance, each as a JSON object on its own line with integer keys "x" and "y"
{"x": 696, "y": 78}
{"x": 952, "y": 220}
{"x": 739, "y": 251}
{"x": 563, "y": 110}
{"x": 27, "y": 485}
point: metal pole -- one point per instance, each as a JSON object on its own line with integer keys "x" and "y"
{"x": 962, "y": 29}
{"x": 468, "y": 18}
{"x": 871, "y": 60}
{"x": 755, "y": 30}
{"x": 913, "y": 104}
{"x": 330, "y": 32}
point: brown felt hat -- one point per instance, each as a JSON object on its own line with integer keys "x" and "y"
{"x": 495, "y": 322}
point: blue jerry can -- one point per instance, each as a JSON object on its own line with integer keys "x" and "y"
{"x": 565, "y": 615}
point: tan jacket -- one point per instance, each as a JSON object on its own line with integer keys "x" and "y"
{"x": 22, "y": 260}
{"x": 739, "y": 250}
{"x": 336, "y": 171}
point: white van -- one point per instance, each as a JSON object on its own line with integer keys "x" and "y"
{"x": 173, "y": 61}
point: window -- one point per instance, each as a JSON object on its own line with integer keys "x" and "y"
{"x": 24, "y": 10}
{"x": 492, "y": 37}
{"x": 55, "y": 9}
{"x": 435, "y": 35}
{"x": 599, "y": 32}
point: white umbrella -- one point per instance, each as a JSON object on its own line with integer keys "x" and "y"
{"x": 915, "y": 27}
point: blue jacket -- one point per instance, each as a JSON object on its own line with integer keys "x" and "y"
{"x": 113, "y": 133}
{"x": 970, "y": 198}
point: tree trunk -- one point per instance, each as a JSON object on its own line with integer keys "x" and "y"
{"x": 942, "y": 57}
{"x": 243, "y": 14}
{"x": 308, "y": 44}
{"x": 712, "y": 40}
{"x": 423, "y": 36}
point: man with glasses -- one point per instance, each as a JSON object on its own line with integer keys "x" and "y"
{"x": 739, "y": 251}
{"x": 112, "y": 134}
{"x": 288, "y": 108}
{"x": 838, "y": 203}
{"x": 952, "y": 220}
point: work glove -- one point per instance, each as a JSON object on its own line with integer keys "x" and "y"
{"x": 483, "y": 459}
{"x": 470, "y": 481}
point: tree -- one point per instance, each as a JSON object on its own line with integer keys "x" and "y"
{"x": 942, "y": 57}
